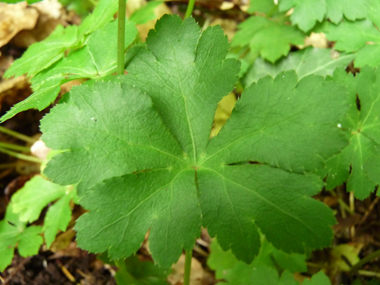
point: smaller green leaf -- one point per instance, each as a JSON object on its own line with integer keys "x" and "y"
{"x": 81, "y": 7}
{"x": 338, "y": 168}
{"x": 220, "y": 260}
{"x": 134, "y": 271}
{"x": 263, "y": 269}
{"x": 102, "y": 14}
{"x": 351, "y": 9}
{"x": 58, "y": 217}
{"x": 361, "y": 34}
{"x": 96, "y": 59}
{"x": 306, "y": 12}
{"x": 39, "y": 100}
{"x": 304, "y": 62}
{"x": 43, "y": 54}
{"x": 145, "y": 13}
{"x": 13, "y": 231}
{"x": 270, "y": 39}
{"x": 16, "y": 1}
{"x": 37, "y": 193}
{"x": 317, "y": 279}
{"x": 263, "y": 6}
{"x": 374, "y": 11}
{"x": 361, "y": 125}
{"x": 368, "y": 55}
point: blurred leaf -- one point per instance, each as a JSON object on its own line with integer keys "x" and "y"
{"x": 304, "y": 62}
{"x": 349, "y": 252}
{"x": 136, "y": 272}
{"x": 37, "y": 193}
{"x": 81, "y": 7}
{"x": 58, "y": 217}
{"x": 374, "y": 11}
{"x": 364, "y": 39}
{"x": 317, "y": 279}
{"x": 96, "y": 59}
{"x": 221, "y": 260}
{"x": 361, "y": 126}
{"x": 270, "y": 39}
{"x": 350, "y": 9}
{"x": 262, "y": 6}
{"x": 17, "y": 1}
{"x": 306, "y": 12}
{"x": 145, "y": 13}
{"x": 103, "y": 13}
{"x": 13, "y": 231}
{"x": 43, "y": 54}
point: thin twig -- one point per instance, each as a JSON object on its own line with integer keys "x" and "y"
{"x": 370, "y": 208}
{"x": 364, "y": 261}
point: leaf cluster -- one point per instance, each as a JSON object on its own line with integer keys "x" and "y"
{"x": 273, "y": 28}
{"x": 25, "y": 208}
{"x": 138, "y": 146}
{"x": 271, "y": 266}
{"x": 151, "y": 166}
{"x": 91, "y": 49}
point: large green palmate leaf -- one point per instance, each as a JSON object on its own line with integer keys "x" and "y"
{"x": 96, "y": 59}
{"x": 362, "y": 127}
{"x": 361, "y": 37}
{"x": 138, "y": 148}
{"x": 304, "y": 62}
{"x": 308, "y": 12}
{"x": 13, "y": 232}
{"x": 268, "y": 38}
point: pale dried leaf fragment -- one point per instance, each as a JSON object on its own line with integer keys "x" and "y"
{"x": 40, "y": 149}
{"x": 51, "y": 8}
{"x": 197, "y": 272}
{"x": 317, "y": 40}
{"x": 15, "y": 18}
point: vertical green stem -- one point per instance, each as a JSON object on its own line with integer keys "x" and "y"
{"x": 121, "y": 37}
{"x": 17, "y": 135}
{"x": 186, "y": 276}
{"x": 190, "y": 8}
